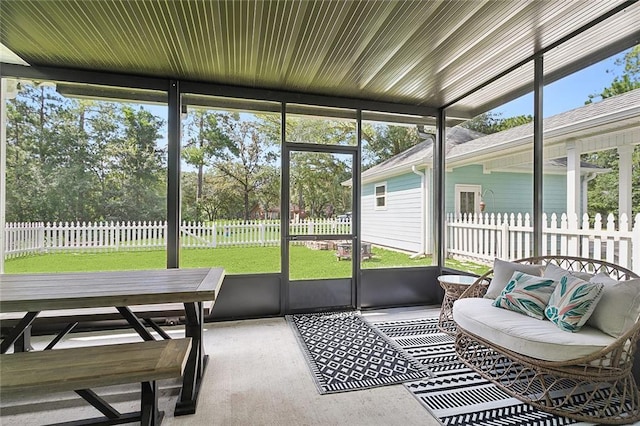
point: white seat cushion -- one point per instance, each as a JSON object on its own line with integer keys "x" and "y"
{"x": 532, "y": 337}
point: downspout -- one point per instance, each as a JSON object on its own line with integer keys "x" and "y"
{"x": 423, "y": 213}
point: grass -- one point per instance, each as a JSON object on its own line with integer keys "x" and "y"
{"x": 305, "y": 263}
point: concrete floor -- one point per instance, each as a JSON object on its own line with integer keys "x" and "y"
{"x": 257, "y": 375}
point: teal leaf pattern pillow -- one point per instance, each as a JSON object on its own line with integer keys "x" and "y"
{"x": 526, "y": 294}
{"x": 572, "y": 303}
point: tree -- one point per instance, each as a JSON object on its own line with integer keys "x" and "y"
{"x": 491, "y": 122}
{"x": 136, "y": 184}
{"x": 268, "y": 194}
{"x": 205, "y": 140}
{"x": 23, "y": 173}
{"x": 386, "y": 141}
{"x": 627, "y": 81}
{"x": 246, "y": 162}
{"x": 42, "y": 165}
{"x": 603, "y": 190}
{"x": 72, "y": 160}
{"x": 316, "y": 183}
{"x": 73, "y": 183}
{"x": 320, "y": 130}
{"x": 219, "y": 198}
{"x": 102, "y": 122}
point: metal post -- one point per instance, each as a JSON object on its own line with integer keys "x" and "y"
{"x": 284, "y": 212}
{"x": 173, "y": 176}
{"x": 3, "y": 168}
{"x": 538, "y": 153}
{"x": 356, "y": 180}
{"x": 438, "y": 188}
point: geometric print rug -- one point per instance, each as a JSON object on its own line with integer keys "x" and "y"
{"x": 457, "y": 395}
{"x": 345, "y": 353}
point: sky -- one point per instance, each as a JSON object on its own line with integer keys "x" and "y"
{"x": 568, "y": 93}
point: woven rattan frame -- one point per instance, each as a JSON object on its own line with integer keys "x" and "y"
{"x": 611, "y": 396}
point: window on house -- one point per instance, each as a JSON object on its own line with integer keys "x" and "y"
{"x": 381, "y": 196}
{"x": 467, "y": 204}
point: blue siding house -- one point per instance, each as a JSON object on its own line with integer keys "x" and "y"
{"x": 494, "y": 174}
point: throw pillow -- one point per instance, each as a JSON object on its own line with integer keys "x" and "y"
{"x": 618, "y": 308}
{"x": 556, "y": 273}
{"x": 502, "y": 272}
{"x": 526, "y": 294}
{"x": 572, "y": 303}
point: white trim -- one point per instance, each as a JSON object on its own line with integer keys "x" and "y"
{"x": 555, "y": 135}
{"x": 625, "y": 178}
{"x": 9, "y": 57}
{"x": 573, "y": 149}
{"x": 423, "y": 211}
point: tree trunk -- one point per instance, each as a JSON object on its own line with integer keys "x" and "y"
{"x": 200, "y": 166}
{"x": 246, "y": 203}
{"x": 41, "y": 125}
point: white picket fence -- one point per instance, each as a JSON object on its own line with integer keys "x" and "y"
{"x": 483, "y": 237}
{"x": 38, "y": 237}
{"x": 479, "y": 237}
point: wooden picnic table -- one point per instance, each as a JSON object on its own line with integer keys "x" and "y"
{"x": 34, "y": 293}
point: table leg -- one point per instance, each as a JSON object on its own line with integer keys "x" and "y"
{"x": 149, "y": 413}
{"x": 61, "y": 335}
{"x": 17, "y": 332}
{"x": 445, "y": 323}
{"x": 197, "y": 361}
{"x": 157, "y": 328}
{"x": 135, "y": 322}
{"x": 23, "y": 343}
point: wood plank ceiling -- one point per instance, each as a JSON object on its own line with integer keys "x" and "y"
{"x": 426, "y": 53}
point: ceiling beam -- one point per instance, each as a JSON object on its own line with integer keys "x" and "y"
{"x": 152, "y": 83}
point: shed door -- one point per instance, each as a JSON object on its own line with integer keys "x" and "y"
{"x": 468, "y": 199}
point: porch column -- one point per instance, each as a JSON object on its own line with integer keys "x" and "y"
{"x": 174, "y": 108}
{"x": 439, "y": 247}
{"x": 573, "y": 183}
{"x": 538, "y": 153}
{"x": 573, "y": 194}
{"x": 625, "y": 154}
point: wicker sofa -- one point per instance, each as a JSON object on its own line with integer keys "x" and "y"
{"x": 585, "y": 375}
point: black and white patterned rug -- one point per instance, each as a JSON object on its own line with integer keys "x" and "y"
{"x": 345, "y": 353}
{"x": 457, "y": 395}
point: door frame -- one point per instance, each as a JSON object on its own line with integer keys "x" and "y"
{"x": 287, "y": 149}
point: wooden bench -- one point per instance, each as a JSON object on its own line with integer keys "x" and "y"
{"x": 78, "y": 369}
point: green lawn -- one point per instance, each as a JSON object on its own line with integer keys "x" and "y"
{"x": 305, "y": 263}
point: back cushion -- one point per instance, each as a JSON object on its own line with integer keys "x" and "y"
{"x": 502, "y": 272}
{"x": 618, "y": 308}
{"x": 556, "y": 273}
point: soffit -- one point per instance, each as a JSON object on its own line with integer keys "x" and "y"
{"x": 426, "y": 53}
